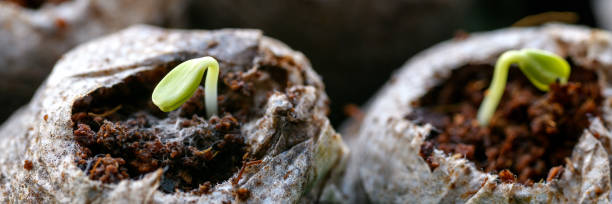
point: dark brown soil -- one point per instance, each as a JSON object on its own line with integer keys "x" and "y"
{"x": 122, "y": 135}
{"x": 530, "y": 133}
{"x": 28, "y": 165}
{"x": 35, "y": 4}
{"x": 243, "y": 193}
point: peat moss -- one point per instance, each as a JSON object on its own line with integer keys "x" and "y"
{"x": 122, "y": 135}
{"x": 530, "y": 133}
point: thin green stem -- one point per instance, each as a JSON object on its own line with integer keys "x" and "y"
{"x": 210, "y": 85}
{"x": 498, "y": 84}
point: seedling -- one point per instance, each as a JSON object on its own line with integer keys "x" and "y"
{"x": 542, "y": 68}
{"x": 182, "y": 82}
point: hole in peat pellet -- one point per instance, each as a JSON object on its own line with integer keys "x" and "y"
{"x": 531, "y": 131}
{"x": 121, "y": 134}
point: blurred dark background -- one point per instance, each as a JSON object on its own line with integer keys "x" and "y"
{"x": 355, "y": 45}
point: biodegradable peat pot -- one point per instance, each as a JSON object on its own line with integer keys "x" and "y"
{"x": 91, "y": 134}
{"x": 418, "y": 141}
{"x": 33, "y": 37}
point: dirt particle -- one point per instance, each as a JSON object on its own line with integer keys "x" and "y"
{"x": 243, "y": 193}
{"x": 245, "y": 165}
{"x": 426, "y": 153}
{"x": 204, "y": 188}
{"x": 108, "y": 169}
{"x": 28, "y": 165}
{"x": 598, "y": 191}
{"x": 414, "y": 103}
{"x": 468, "y": 194}
{"x": 467, "y": 171}
{"x": 353, "y": 111}
{"x": 484, "y": 182}
{"x": 466, "y": 151}
{"x": 212, "y": 44}
{"x": 287, "y": 175}
{"x": 507, "y": 177}
{"x": 461, "y": 35}
{"x": 46, "y": 117}
{"x": 61, "y": 23}
{"x": 529, "y": 182}
{"x": 554, "y": 173}
{"x": 596, "y": 135}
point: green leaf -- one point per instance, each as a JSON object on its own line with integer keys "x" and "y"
{"x": 542, "y": 68}
{"x": 182, "y": 82}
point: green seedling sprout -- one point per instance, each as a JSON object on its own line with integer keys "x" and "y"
{"x": 542, "y": 68}
{"x": 182, "y": 82}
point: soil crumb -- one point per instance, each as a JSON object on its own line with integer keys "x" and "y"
{"x": 243, "y": 193}
{"x": 506, "y": 176}
{"x": 28, "y": 165}
{"x": 531, "y": 132}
